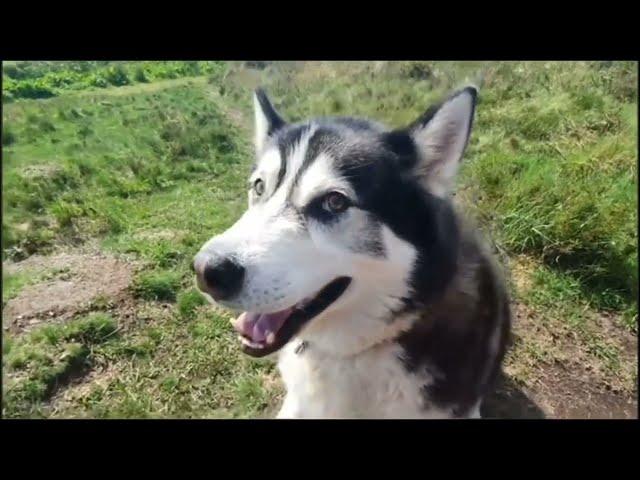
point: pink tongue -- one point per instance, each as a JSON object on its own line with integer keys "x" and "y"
{"x": 258, "y": 326}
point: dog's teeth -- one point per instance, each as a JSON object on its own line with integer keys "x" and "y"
{"x": 251, "y": 344}
{"x": 271, "y": 337}
{"x": 236, "y": 321}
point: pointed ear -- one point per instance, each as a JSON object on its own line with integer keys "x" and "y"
{"x": 441, "y": 136}
{"x": 267, "y": 120}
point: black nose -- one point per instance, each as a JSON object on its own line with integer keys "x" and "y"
{"x": 222, "y": 277}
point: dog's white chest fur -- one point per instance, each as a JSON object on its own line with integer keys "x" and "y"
{"x": 372, "y": 384}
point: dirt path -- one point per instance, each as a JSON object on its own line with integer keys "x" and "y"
{"x": 141, "y": 87}
{"x": 566, "y": 382}
{"x": 72, "y": 283}
{"x": 563, "y": 394}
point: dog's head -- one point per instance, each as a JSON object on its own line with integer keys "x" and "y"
{"x": 346, "y": 221}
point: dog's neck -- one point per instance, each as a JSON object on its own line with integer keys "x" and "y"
{"x": 318, "y": 343}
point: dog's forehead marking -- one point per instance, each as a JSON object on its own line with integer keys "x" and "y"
{"x": 297, "y": 153}
{"x": 308, "y": 159}
{"x": 317, "y": 172}
{"x": 279, "y": 162}
{"x": 268, "y": 165}
{"x": 320, "y": 176}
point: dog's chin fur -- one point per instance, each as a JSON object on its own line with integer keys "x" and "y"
{"x": 422, "y": 328}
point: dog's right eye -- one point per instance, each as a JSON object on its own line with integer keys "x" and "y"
{"x": 258, "y": 187}
{"x": 335, "y": 202}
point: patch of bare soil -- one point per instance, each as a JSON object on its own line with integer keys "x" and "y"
{"x": 570, "y": 393}
{"x": 628, "y": 342}
{"x": 560, "y": 394}
{"x": 80, "y": 389}
{"x": 570, "y": 385}
{"x": 85, "y": 279}
{"x": 160, "y": 234}
{"x": 41, "y": 170}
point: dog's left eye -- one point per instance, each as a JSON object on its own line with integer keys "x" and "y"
{"x": 258, "y": 187}
{"x": 335, "y": 202}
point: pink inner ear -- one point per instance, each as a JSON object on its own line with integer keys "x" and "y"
{"x": 442, "y": 140}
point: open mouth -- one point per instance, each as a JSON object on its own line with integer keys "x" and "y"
{"x": 264, "y": 333}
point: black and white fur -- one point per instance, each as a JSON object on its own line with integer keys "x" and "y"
{"x": 421, "y": 329}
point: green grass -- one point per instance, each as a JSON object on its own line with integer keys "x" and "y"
{"x": 551, "y": 164}
{"x": 188, "y": 302}
{"x": 98, "y": 170}
{"x": 151, "y": 169}
{"x": 42, "y": 361}
{"x": 157, "y": 195}
{"x": 560, "y": 182}
{"x": 157, "y": 285}
{"x": 12, "y": 284}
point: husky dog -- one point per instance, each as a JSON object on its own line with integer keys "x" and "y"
{"x": 352, "y": 264}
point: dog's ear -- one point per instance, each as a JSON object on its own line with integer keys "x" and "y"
{"x": 267, "y": 120}
{"x": 441, "y": 135}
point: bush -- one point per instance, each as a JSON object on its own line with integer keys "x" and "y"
{"x": 27, "y": 89}
{"x": 13, "y": 71}
{"x": 140, "y": 76}
{"x": 97, "y": 80}
{"x": 116, "y": 76}
{"x": 65, "y": 212}
{"x": 46, "y": 79}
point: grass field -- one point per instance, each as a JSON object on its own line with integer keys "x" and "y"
{"x": 110, "y": 190}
